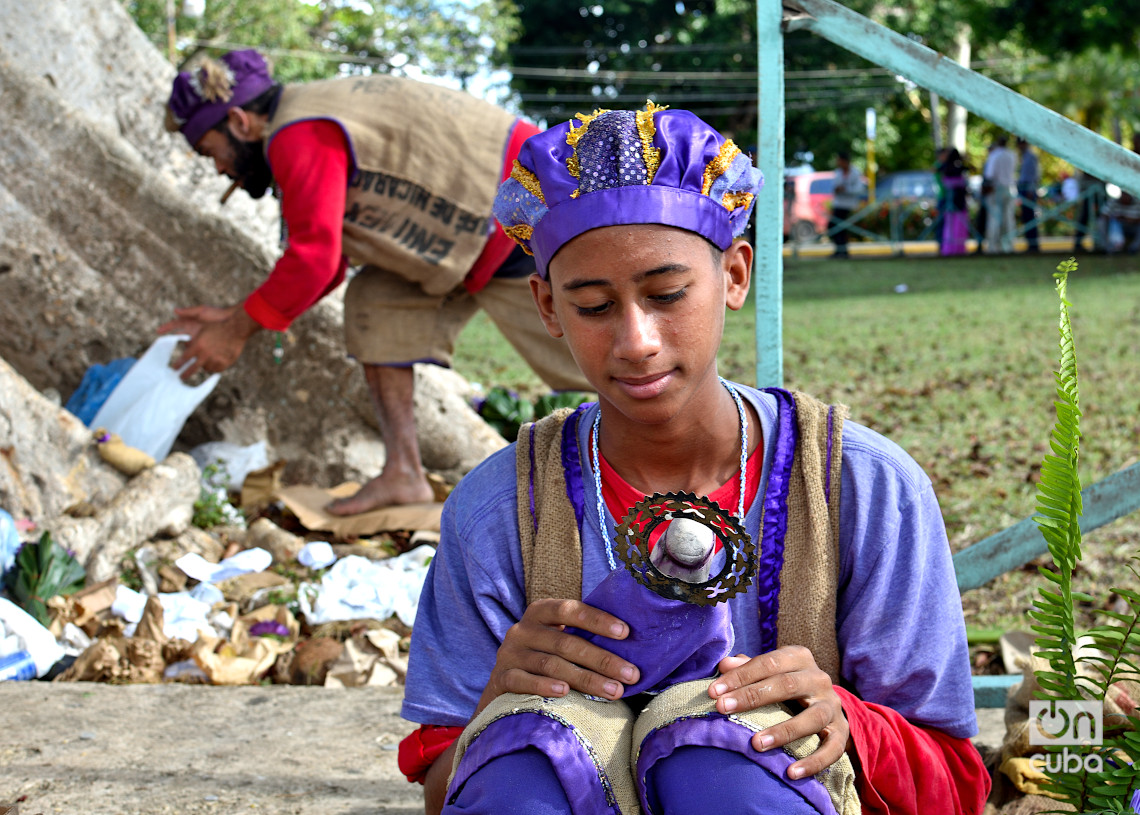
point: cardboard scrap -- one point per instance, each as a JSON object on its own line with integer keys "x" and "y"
{"x": 261, "y": 486}
{"x": 226, "y": 664}
{"x": 369, "y": 658}
{"x": 150, "y": 626}
{"x": 86, "y": 608}
{"x": 242, "y": 588}
{"x": 308, "y": 503}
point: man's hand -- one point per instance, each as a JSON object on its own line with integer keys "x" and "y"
{"x": 538, "y": 656}
{"x": 786, "y": 674}
{"x": 217, "y": 337}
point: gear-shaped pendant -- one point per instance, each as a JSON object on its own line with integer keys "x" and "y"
{"x": 632, "y": 546}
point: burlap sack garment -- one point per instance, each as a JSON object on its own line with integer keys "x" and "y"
{"x": 427, "y": 163}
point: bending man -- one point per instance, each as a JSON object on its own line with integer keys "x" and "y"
{"x": 386, "y": 173}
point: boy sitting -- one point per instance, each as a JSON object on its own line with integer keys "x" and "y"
{"x": 850, "y": 684}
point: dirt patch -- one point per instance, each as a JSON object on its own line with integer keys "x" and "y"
{"x": 145, "y": 749}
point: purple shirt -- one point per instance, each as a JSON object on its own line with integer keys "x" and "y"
{"x": 900, "y": 630}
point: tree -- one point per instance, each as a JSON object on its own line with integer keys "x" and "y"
{"x": 696, "y": 54}
{"x": 1071, "y": 26}
{"x": 312, "y": 39}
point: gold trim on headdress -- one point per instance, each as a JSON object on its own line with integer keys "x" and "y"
{"x": 733, "y": 200}
{"x": 647, "y": 130}
{"x": 520, "y": 234}
{"x": 576, "y": 133}
{"x": 716, "y": 167}
{"x": 528, "y": 179}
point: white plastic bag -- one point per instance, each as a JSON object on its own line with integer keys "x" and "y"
{"x": 20, "y": 631}
{"x": 149, "y": 406}
{"x": 237, "y": 461}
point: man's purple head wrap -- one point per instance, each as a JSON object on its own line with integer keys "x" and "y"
{"x": 652, "y": 166}
{"x": 200, "y": 99}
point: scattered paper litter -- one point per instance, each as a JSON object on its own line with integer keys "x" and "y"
{"x": 316, "y": 555}
{"x": 358, "y": 588}
{"x": 249, "y": 560}
{"x": 183, "y": 615}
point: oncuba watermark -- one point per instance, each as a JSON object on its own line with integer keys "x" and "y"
{"x": 1067, "y": 724}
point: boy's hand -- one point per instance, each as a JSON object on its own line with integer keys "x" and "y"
{"x": 786, "y": 674}
{"x": 538, "y": 656}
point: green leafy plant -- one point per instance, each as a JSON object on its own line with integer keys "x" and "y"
{"x": 506, "y": 411}
{"x": 1116, "y": 642}
{"x": 42, "y": 570}
{"x": 213, "y": 507}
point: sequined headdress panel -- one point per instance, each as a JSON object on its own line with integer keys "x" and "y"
{"x": 651, "y": 166}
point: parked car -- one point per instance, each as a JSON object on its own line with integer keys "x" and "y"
{"x": 913, "y": 194}
{"x": 908, "y": 186}
{"x": 807, "y": 204}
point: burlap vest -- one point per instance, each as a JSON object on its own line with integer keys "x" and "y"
{"x": 427, "y": 163}
{"x": 809, "y": 575}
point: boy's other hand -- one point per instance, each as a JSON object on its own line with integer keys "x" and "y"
{"x": 538, "y": 656}
{"x": 788, "y": 674}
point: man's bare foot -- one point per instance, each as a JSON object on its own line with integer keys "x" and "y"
{"x": 383, "y": 492}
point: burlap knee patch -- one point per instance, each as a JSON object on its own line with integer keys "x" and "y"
{"x": 602, "y": 728}
{"x": 690, "y": 699}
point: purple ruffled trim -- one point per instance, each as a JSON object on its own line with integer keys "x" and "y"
{"x": 530, "y": 481}
{"x": 716, "y": 730}
{"x": 827, "y": 470}
{"x": 580, "y": 777}
{"x": 572, "y": 463}
{"x": 775, "y": 518}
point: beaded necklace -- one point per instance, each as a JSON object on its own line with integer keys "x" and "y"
{"x": 598, "y": 468}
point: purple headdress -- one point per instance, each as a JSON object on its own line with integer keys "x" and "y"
{"x": 200, "y": 100}
{"x": 652, "y": 166}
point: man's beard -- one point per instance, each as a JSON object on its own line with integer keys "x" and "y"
{"x": 251, "y": 168}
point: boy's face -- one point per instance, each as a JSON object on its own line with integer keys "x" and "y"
{"x": 642, "y": 309}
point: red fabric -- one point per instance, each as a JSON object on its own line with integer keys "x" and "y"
{"x": 499, "y": 246}
{"x": 311, "y": 165}
{"x": 420, "y": 749}
{"x": 908, "y": 769}
{"x": 620, "y": 496}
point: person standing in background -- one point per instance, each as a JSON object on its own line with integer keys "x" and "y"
{"x": 1001, "y": 173}
{"x": 1028, "y": 179}
{"x": 850, "y": 190}
{"x": 951, "y": 174}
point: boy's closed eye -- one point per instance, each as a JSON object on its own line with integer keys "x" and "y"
{"x": 660, "y": 299}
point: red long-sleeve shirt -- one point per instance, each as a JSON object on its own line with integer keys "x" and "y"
{"x": 311, "y": 165}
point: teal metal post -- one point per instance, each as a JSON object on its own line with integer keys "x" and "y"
{"x": 768, "y": 268}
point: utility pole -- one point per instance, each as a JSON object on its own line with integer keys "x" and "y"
{"x": 171, "y": 34}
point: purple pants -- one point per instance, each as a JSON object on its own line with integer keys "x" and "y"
{"x": 696, "y": 780}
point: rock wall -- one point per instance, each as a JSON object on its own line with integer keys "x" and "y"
{"x": 107, "y": 223}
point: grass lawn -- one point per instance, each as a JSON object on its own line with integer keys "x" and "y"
{"x": 958, "y": 370}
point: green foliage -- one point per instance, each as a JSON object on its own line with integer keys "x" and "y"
{"x": 506, "y": 411}
{"x": 1117, "y": 641}
{"x": 1059, "y": 510}
{"x": 699, "y": 55}
{"x": 213, "y": 507}
{"x": 1070, "y": 26}
{"x": 42, "y": 570}
{"x": 315, "y": 39}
